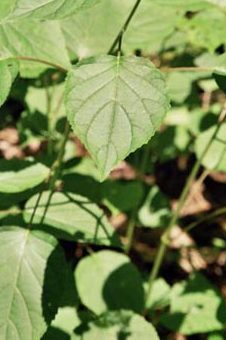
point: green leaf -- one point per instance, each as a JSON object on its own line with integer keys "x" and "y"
{"x": 72, "y": 217}
{"x": 155, "y": 211}
{"x": 151, "y": 26}
{"x": 122, "y": 196}
{"x": 6, "y": 7}
{"x": 216, "y": 336}
{"x": 17, "y": 175}
{"x": 31, "y": 38}
{"x": 118, "y": 325}
{"x": 115, "y": 105}
{"x": 8, "y": 72}
{"x": 31, "y": 282}
{"x": 91, "y": 32}
{"x": 215, "y": 158}
{"x": 66, "y": 319}
{"x": 116, "y": 283}
{"x": 160, "y": 295}
{"x": 196, "y": 307}
{"x": 200, "y": 30}
{"x": 53, "y": 9}
{"x": 180, "y": 85}
{"x": 171, "y": 141}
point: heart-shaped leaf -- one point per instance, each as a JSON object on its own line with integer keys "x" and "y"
{"x": 115, "y": 105}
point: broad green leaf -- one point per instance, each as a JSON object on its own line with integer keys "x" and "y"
{"x": 17, "y": 175}
{"x": 155, "y": 211}
{"x": 116, "y": 283}
{"x": 8, "y": 72}
{"x": 118, "y": 325}
{"x": 31, "y": 282}
{"x": 72, "y": 217}
{"x": 115, "y": 105}
{"x": 215, "y": 158}
{"x": 92, "y": 31}
{"x": 49, "y": 9}
{"x": 196, "y": 307}
{"x": 30, "y": 38}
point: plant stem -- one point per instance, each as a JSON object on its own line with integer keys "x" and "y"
{"x": 187, "y": 69}
{"x": 210, "y": 216}
{"x": 41, "y": 61}
{"x": 165, "y": 237}
{"x": 124, "y": 27}
{"x": 53, "y": 175}
{"x": 56, "y": 167}
{"x": 132, "y": 222}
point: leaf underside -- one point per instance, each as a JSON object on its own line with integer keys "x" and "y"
{"x": 115, "y": 105}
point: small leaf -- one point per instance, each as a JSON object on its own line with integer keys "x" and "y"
{"x": 155, "y": 211}
{"x": 72, "y": 217}
{"x": 17, "y": 175}
{"x": 117, "y": 325}
{"x": 215, "y": 158}
{"x": 31, "y": 282}
{"x": 8, "y": 72}
{"x": 196, "y": 307}
{"x": 115, "y": 105}
{"x": 116, "y": 283}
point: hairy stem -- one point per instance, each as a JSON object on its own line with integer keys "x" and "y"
{"x": 118, "y": 39}
{"x": 183, "y": 197}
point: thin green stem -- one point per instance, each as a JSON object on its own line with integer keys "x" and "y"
{"x": 53, "y": 176}
{"x": 187, "y": 69}
{"x": 41, "y": 61}
{"x": 124, "y": 27}
{"x": 56, "y": 167}
{"x": 132, "y": 222}
{"x": 183, "y": 197}
{"x": 209, "y": 217}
